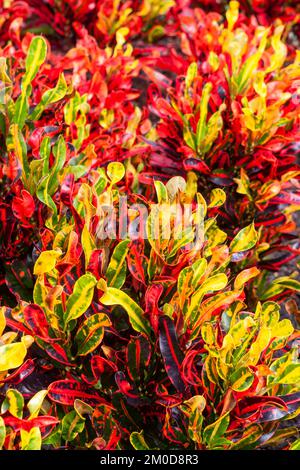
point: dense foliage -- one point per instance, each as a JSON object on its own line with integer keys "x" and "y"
{"x": 114, "y": 116}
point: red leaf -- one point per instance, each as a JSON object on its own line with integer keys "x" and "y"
{"x": 35, "y": 318}
{"x": 23, "y": 207}
{"x": 21, "y": 373}
{"x": 66, "y": 391}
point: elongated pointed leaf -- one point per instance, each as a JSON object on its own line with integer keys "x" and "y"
{"x": 116, "y": 270}
{"x": 171, "y": 353}
{"x": 136, "y": 315}
{"x": 81, "y": 298}
{"x": 35, "y": 58}
{"x": 244, "y": 240}
{"x": 66, "y": 391}
{"x": 91, "y": 333}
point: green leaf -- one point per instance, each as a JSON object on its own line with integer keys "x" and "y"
{"x": 35, "y": 403}
{"x": 161, "y": 192}
{"x": 216, "y": 430}
{"x": 116, "y": 270}
{"x": 15, "y": 142}
{"x": 138, "y": 442}
{"x": 291, "y": 375}
{"x": 81, "y": 298}
{"x": 212, "y": 284}
{"x": 36, "y": 56}
{"x": 43, "y": 195}
{"x": 280, "y": 285}
{"x": 88, "y": 244}
{"x": 191, "y": 74}
{"x": 14, "y": 403}
{"x": 245, "y": 239}
{"x": 50, "y": 96}
{"x": 202, "y": 126}
{"x": 72, "y": 425}
{"x": 136, "y": 315}
{"x": 295, "y": 445}
{"x": 199, "y": 268}
{"x": 31, "y": 440}
{"x": 60, "y": 153}
{"x": 242, "y": 379}
{"x": 91, "y": 333}
{"x": 2, "y": 432}
{"x": 21, "y": 108}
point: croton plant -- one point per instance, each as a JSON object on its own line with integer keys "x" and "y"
{"x": 149, "y": 239}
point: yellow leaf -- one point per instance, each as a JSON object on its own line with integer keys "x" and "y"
{"x": 244, "y": 276}
{"x": 213, "y": 61}
{"x": 232, "y": 14}
{"x": 197, "y": 402}
{"x": 115, "y": 172}
{"x": 12, "y": 355}
{"x": 217, "y": 198}
{"x": 2, "y": 320}
{"x": 46, "y": 261}
{"x": 245, "y": 239}
{"x": 35, "y": 403}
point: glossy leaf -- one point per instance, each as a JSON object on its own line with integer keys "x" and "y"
{"x": 91, "y": 333}
{"x": 136, "y": 315}
{"x": 81, "y": 298}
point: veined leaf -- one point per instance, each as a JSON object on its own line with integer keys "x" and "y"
{"x": 216, "y": 430}
{"x": 199, "y": 268}
{"x": 212, "y": 284}
{"x": 171, "y": 352}
{"x": 291, "y": 375}
{"x": 244, "y": 240}
{"x": 60, "y": 153}
{"x": 46, "y": 261}
{"x": 72, "y": 425}
{"x": 138, "y": 442}
{"x": 31, "y": 440}
{"x": 116, "y": 270}
{"x": 67, "y": 391}
{"x": 217, "y": 198}
{"x": 91, "y": 333}
{"x": 242, "y": 379}
{"x": 245, "y": 276}
{"x": 43, "y": 195}
{"x": 88, "y": 244}
{"x": 136, "y": 315}
{"x": 81, "y": 298}
{"x": 280, "y": 285}
{"x": 35, "y": 58}
{"x": 202, "y": 125}
{"x": 15, "y": 142}
{"x": 50, "y": 96}
{"x": 14, "y": 403}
